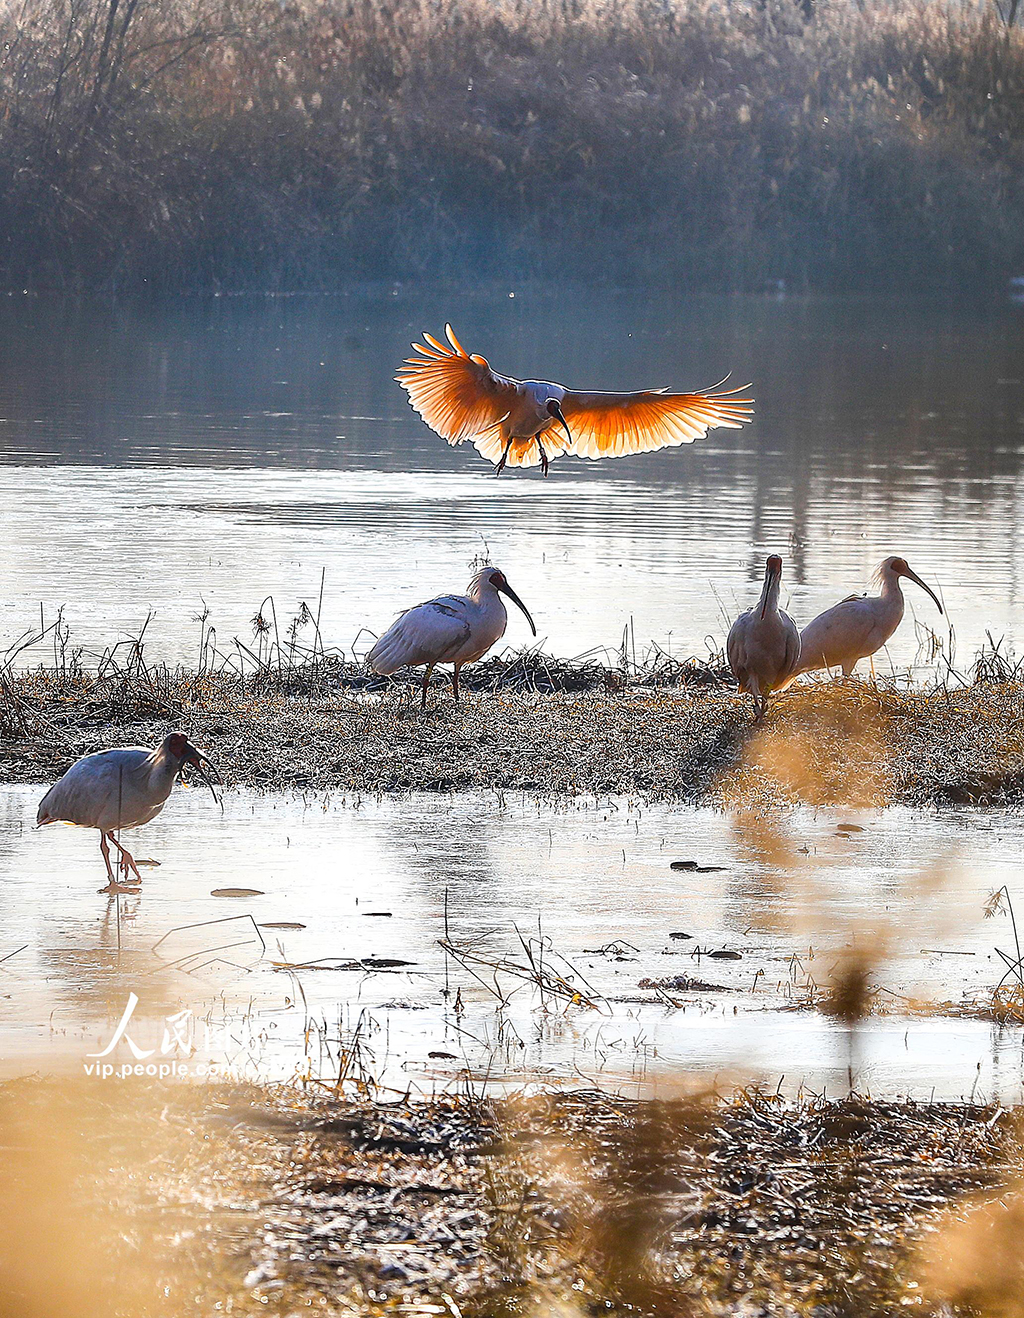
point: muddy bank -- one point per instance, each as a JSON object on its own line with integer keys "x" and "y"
{"x": 248, "y": 1201}
{"x": 851, "y": 741}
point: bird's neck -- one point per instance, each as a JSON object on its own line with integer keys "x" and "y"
{"x": 483, "y": 594}
{"x": 890, "y": 588}
{"x": 769, "y": 601}
{"x": 164, "y": 767}
{"x": 891, "y": 596}
{"x": 489, "y": 601}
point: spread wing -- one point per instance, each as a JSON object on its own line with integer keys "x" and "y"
{"x": 457, "y": 395}
{"x": 614, "y": 425}
{"x": 426, "y": 634}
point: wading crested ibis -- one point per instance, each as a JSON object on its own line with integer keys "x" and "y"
{"x": 452, "y": 629}
{"x": 859, "y": 625}
{"x": 764, "y": 643}
{"x": 525, "y": 422}
{"x": 123, "y": 788}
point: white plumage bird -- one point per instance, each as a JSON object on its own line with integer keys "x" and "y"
{"x": 452, "y": 629}
{"x": 115, "y": 789}
{"x": 525, "y": 422}
{"x": 764, "y": 643}
{"x": 857, "y": 626}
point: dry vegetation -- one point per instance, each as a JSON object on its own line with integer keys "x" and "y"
{"x": 244, "y": 1201}
{"x": 531, "y": 723}
{"x": 252, "y": 144}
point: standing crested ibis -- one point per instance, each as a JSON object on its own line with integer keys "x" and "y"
{"x": 764, "y": 643}
{"x": 521, "y": 423}
{"x": 124, "y": 788}
{"x": 857, "y": 626}
{"x": 452, "y": 629}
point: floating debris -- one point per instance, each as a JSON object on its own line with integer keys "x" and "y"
{"x": 618, "y": 949}
{"x": 237, "y": 892}
{"x": 343, "y": 963}
{"x": 683, "y": 984}
{"x": 281, "y": 924}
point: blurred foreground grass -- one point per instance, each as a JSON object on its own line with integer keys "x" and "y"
{"x": 117, "y": 1199}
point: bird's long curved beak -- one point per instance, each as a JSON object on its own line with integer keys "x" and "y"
{"x": 203, "y": 765}
{"x": 769, "y": 575}
{"x": 558, "y": 414}
{"x": 506, "y": 589}
{"x": 914, "y": 577}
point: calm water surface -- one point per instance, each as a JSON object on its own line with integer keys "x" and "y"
{"x": 166, "y": 460}
{"x": 388, "y": 879}
{"x": 207, "y": 454}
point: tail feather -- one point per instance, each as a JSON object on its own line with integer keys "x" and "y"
{"x": 386, "y": 657}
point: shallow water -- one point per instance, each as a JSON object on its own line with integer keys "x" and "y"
{"x": 205, "y": 454}
{"x": 384, "y": 879}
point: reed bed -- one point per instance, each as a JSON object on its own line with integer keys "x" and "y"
{"x": 248, "y": 144}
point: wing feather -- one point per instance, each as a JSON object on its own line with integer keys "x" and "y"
{"x": 98, "y": 791}
{"x": 614, "y": 425}
{"x": 427, "y": 634}
{"x": 457, "y": 395}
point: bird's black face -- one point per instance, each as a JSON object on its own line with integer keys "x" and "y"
{"x": 903, "y": 569}
{"x": 500, "y": 582}
{"x": 555, "y": 410}
{"x": 179, "y": 749}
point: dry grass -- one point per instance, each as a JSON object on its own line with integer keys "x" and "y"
{"x": 244, "y": 1201}
{"x": 313, "y": 726}
{"x": 247, "y": 143}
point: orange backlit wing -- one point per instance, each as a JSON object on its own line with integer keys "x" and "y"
{"x": 457, "y": 395}
{"x": 614, "y": 425}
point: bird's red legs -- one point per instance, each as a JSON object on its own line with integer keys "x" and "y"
{"x": 426, "y": 683}
{"x": 455, "y": 682}
{"x": 504, "y": 457}
{"x": 127, "y": 857}
{"x": 544, "y": 464}
{"x": 114, "y": 885}
{"x": 106, "y": 856}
